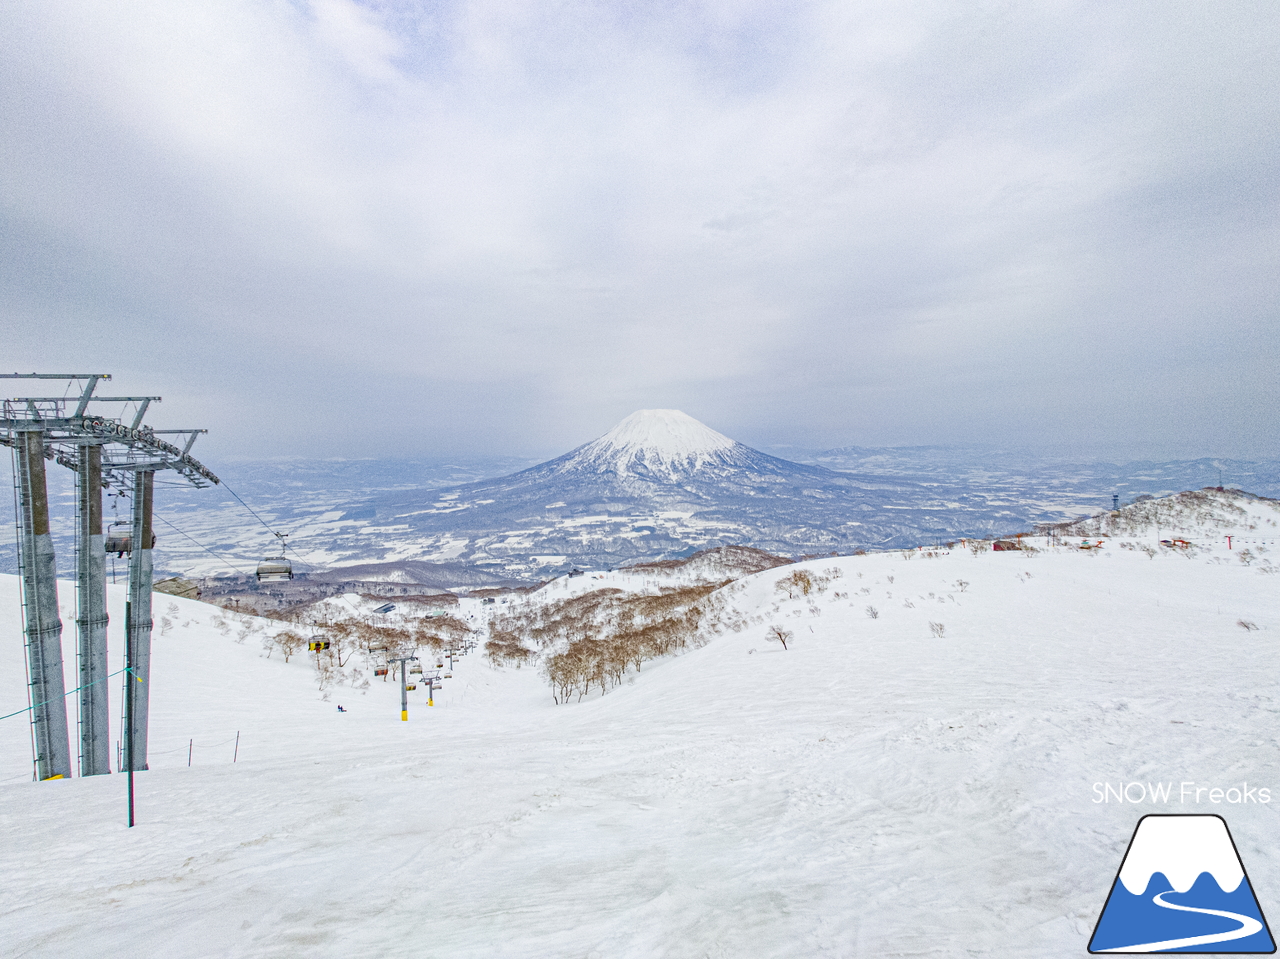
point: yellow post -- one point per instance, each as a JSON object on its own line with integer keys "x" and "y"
{"x": 404, "y": 715}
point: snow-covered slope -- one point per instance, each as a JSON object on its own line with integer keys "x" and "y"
{"x": 1210, "y": 513}
{"x": 875, "y": 790}
{"x": 711, "y": 565}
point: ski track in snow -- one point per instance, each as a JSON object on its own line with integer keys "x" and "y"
{"x": 873, "y": 791}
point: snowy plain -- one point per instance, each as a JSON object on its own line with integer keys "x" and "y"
{"x": 873, "y": 790}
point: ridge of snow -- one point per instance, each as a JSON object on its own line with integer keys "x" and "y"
{"x": 1208, "y": 512}
{"x": 1181, "y": 847}
{"x": 662, "y": 440}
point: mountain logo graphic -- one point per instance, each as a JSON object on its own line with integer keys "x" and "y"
{"x": 1182, "y": 888}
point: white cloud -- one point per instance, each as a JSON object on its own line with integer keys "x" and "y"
{"x": 809, "y": 221}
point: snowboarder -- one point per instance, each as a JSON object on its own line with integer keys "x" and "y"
{"x": 340, "y": 709}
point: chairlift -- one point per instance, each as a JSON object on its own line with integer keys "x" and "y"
{"x": 118, "y": 543}
{"x": 415, "y": 671}
{"x": 410, "y": 687}
{"x": 380, "y": 671}
{"x": 119, "y": 537}
{"x": 121, "y": 543}
{"x": 276, "y": 569}
{"x": 447, "y": 676}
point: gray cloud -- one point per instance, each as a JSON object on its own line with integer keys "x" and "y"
{"x": 361, "y": 229}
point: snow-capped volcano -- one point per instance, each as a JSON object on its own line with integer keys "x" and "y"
{"x": 656, "y": 441}
{"x": 660, "y": 453}
{"x": 659, "y": 484}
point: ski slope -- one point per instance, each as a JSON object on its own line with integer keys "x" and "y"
{"x": 874, "y": 790}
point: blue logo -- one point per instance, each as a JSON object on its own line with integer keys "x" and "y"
{"x": 1182, "y": 888}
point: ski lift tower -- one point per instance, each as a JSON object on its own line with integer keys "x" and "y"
{"x": 104, "y": 451}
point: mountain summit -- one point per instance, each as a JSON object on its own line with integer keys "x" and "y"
{"x": 658, "y": 443}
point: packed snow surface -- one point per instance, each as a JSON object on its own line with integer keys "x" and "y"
{"x": 918, "y": 782}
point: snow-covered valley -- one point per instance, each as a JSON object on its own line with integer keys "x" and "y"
{"x": 917, "y": 782}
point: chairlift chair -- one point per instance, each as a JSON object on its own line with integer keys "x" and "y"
{"x": 118, "y": 543}
{"x": 276, "y": 569}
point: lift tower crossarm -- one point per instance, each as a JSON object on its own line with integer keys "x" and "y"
{"x": 94, "y": 399}
{"x": 55, "y": 376}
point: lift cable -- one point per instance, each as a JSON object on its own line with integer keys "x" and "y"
{"x": 198, "y": 543}
{"x": 248, "y": 507}
{"x": 286, "y": 545}
{"x": 268, "y": 528}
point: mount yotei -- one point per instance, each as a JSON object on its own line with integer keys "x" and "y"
{"x": 662, "y": 484}
{"x": 658, "y": 486}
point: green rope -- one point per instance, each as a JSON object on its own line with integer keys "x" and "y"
{"x": 76, "y": 690}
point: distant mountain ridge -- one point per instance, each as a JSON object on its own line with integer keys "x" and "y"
{"x": 661, "y": 484}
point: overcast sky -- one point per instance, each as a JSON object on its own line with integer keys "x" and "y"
{"x": 339, "y": 228}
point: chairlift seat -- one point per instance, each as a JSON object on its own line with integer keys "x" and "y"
{"x": 118, "y": 544}
{"x": 275, "y": 569}
{"x": 410, "y": 686}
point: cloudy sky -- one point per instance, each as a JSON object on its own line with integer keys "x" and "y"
{"x": 341, "y": 228}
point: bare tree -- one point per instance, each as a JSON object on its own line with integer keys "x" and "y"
{"x": 287, "y": 641}
{"x": 777, "y": 634}
{"x": 799, "y": 583}
{"x": 504, "y": 648}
